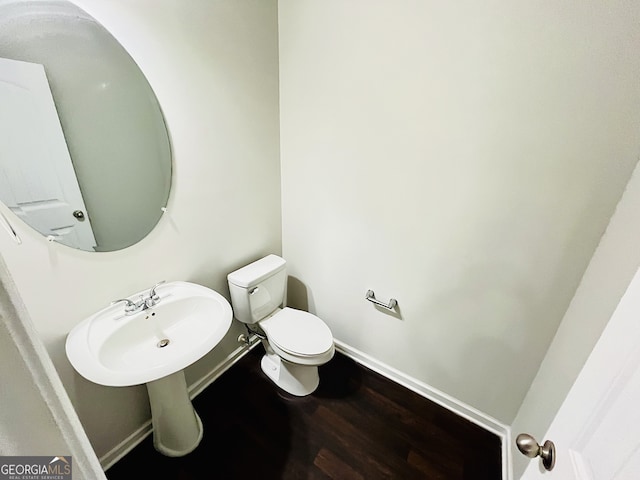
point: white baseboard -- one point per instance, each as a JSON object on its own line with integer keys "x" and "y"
{"x": 456, "y": 406}
{"x": 129, "y": 443}
{"x": 125, "y": 446}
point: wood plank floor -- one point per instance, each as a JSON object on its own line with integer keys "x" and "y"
{"x": 357, "y": 425}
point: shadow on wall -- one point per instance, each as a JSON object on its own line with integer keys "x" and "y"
{"x": 298, "y": 294}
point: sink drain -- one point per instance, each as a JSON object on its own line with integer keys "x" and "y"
{"x": 163, "y": 343}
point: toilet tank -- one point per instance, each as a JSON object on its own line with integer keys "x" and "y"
{"x": 258, "y": 289}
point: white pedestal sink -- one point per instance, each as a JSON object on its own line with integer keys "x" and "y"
{"x": 177, "y": 428}
{"x": 153, "y": 346}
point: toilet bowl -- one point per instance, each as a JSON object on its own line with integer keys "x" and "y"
{"x": 295, "y": 342}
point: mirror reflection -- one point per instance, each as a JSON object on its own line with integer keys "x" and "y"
{"x": 84, "y": 152}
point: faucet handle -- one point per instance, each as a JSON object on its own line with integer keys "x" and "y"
{"x": 152, "y": 293}
{"x": 129, "y": 307}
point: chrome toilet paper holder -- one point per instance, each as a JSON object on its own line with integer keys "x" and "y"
{"x": 372, "y": 298}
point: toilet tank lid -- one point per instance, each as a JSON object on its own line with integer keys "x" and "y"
{"x": 256, "y": 272}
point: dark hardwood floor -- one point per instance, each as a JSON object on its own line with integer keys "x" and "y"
{"x": 357, "y": 425}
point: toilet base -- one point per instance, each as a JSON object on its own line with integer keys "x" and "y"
{"x": 298, "y": 380}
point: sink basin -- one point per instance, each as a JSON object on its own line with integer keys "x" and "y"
{"x": 114, "y": 349}
{"x": 153, "y": 346}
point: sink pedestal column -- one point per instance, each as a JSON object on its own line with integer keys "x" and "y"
{"x": 177, "y": 428}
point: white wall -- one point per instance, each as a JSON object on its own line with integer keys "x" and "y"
{"x": 36, "y": 417}
{"x": 606, "y": 279}
{"x": 213, "y": 67}
{"x": 462, "y": 157}
{"x": 39, "y": 434}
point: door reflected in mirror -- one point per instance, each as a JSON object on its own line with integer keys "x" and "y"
{"x": 85, "y": 156}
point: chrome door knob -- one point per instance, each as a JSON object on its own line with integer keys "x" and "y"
{"x": 531, "y": 448}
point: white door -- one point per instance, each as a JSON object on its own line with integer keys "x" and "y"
{"x": 597, "y": 430}
{"x": 37, "y": 179}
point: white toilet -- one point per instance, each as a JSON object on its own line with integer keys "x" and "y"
{"x": 296, "y": 342}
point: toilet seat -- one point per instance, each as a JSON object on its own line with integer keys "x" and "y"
{"x": 299, "y": 337}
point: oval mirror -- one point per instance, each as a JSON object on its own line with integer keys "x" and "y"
{"x": 85, "y": 157}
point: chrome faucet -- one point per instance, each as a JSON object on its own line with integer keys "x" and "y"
{"x": 143, "y": 303}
